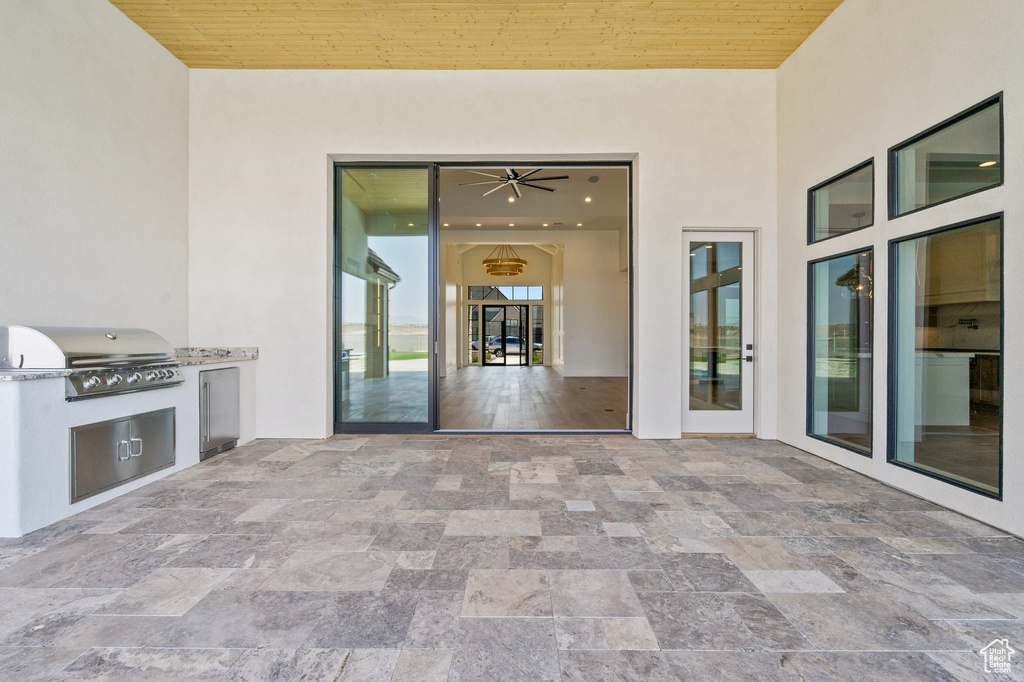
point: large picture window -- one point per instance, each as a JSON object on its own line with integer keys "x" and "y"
{"x": 840, "y": 327}
{"x": 955, "y": 158}
{"x": 946, "y": 354}
{"x": 845, "y": 203}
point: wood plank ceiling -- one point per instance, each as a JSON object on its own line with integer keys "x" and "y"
{"x": 486, "y": 34}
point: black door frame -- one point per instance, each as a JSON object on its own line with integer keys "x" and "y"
{"x": 524, "y": 322}
{"x": 433, "y": 424}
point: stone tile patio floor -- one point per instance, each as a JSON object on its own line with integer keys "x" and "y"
{"x": 510, "y": 558}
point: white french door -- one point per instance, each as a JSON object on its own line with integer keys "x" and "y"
{"x": 718, "y": 332}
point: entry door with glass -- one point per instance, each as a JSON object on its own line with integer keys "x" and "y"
{"x": 718, "y": 346}
{"x": 505, "y": 335}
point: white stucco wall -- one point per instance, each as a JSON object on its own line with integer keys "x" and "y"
{"x": 874, "y": 74}
{"x": 93, "y": 179}
{"x": 259, "y": 188}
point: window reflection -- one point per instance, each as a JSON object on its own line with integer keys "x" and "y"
{"x": 947, "y": 314}
{"x": 844, "y": 204}
{"x": 715, "y": 324}
{"x": 841, "y": 330}
{"x": 381, "y": 301}
{"x": 962, "y": 157}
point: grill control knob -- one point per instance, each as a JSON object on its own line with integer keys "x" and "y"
{"x": 152, "y": 375}
{"x": 134, "y": 377}
{"x": 114, "y": 380}
{"x": 168, "y": 374}
{"x": 92, "y": 382}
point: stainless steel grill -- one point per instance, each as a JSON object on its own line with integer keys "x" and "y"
{"x": 102, "y": 361}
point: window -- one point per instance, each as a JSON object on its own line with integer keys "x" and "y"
{"x": 842, "y": 204}
{"x": 840, "y": 327}
{"x": 505, "y": 293}
{"x": 958, "y": 157}
{"x": 946, "y": 354}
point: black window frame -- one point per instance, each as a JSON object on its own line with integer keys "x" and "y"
{"x": 892, "y": 197}
{"x": 891, "y": 373}
{"x": 810, "y": 356}
{"x": 836, "y": 178}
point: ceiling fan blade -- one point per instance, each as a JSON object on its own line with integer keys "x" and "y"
{"x": 515, "y": 188}
{"x": 527, "y": 184}
{"x": 511, "y": 174}
{"x": 554, "y": 177}
{"x": 526, "y": 175}
{"x": 490, "y": 175}
{"x": 485, "y": 182}
{"x": 493, "y": 190}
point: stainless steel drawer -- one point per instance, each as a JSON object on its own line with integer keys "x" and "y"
{"x": 107, "y": 454}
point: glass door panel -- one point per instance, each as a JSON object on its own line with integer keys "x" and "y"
{"x": 718, "y": 302}
{"x": 538, "y": 335}
{"x": 516, "y": 333}
{"x": 494, "y": 335}
{"x": 474, "y": 335}
{"x": 382, "y": 310}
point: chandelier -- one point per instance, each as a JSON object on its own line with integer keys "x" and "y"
{"x": 504, "y": 262}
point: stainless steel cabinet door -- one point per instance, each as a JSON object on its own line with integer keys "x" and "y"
{"x": 151, "y": 445}
{"x": 100, "y": 457}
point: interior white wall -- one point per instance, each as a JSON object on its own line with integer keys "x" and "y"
{"x": 94, "y": 179}
{"x": 260, "y": 239}
{"x": 874, "y": 74}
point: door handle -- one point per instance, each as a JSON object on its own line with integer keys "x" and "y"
{"x": 205, "y": 417}
{"x": 127, "y": 451}
{"x": 131, "y": 451}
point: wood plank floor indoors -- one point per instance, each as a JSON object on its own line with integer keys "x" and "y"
{"x": 531, "y": 398}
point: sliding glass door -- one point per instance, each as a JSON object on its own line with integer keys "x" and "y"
{"x": 383, "y": 308}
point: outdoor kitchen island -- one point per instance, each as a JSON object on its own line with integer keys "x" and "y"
{"x": 37, "y": 419}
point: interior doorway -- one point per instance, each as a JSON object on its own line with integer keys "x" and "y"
{"x": 535, "y": 278}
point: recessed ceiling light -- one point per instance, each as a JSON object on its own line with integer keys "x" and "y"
{"x": 411, "y": 225}
{"x": 593, "y": 178}
{"x": 579, "y": 224}
{"x": 511, "y": 224}
{"x": 987, "y": 164}
{"x": 544, "y": 225}
{"x": 478, "y": 225}
{"x": 446, "y": 224}
{"x": 587, "y": 200}
{"x": 511, "y": 200}
{"x": 692, "y": 255}
{"x": 709, "y": 246}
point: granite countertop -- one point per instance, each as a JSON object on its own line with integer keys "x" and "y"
{"x": 27, "y": 374}
{"x": 209, "y": 355}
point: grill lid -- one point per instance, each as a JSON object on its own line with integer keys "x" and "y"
{"x": 80, "y": 348}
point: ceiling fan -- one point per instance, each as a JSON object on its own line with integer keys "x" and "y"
{"x": 513, "y": 179}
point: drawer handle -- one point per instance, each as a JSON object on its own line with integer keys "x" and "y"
{"x": 131, "y": 449}
{"x": 127, "y": 451}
